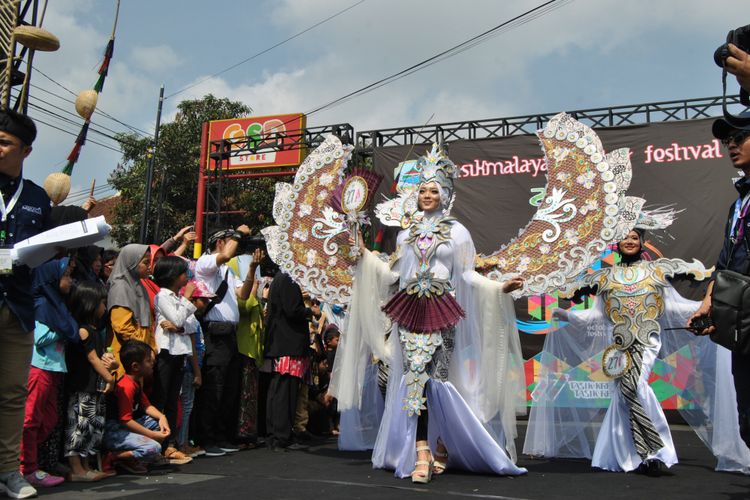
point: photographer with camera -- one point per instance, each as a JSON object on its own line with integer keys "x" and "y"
{"x": 733, "y": 57}
{"x": 734, "y": 256}
{"x": 219, "y": 321}
{"x": 738, "y": 64}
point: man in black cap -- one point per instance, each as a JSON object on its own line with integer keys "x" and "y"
{"x": 24, "y": 210}
{"x": 735, "y": 252}
{"x": 218, "y": 395}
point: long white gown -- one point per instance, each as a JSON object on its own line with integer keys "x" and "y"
{"x": 577, "y": 414}
{"x": 473, "y": 409}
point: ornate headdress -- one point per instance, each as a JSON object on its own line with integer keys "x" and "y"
{"x": 436, "y": 167}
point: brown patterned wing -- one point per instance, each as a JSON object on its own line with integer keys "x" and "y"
{"x": 577, "y": 218}
{"x": 311, "y": 241}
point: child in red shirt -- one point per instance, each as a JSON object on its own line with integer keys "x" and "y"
{"x": 135, "y": 428}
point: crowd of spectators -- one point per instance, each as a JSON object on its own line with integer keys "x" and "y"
{"x": 118, "y": 361}
{"x": 153, "y": 359}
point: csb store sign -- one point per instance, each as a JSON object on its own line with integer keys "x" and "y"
{"x": 259, "y": 141}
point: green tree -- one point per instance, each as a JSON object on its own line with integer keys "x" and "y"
{"x": 175, "y": 182}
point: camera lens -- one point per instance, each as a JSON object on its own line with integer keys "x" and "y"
{"x": 720, "y": 55}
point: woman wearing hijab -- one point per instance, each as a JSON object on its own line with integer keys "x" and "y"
{"x": 618, "y": 422}
{"x": 156, "y": 253}
{"x": 88, "y": 264}
{"x": 127, "y": 300}
{"x": 54, "y": 326}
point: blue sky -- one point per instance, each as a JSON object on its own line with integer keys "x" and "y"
{"x": 587, "y": 53}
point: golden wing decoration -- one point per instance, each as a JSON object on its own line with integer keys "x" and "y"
{"x": 583, "y": 211}
{"x": 310, "y": 241}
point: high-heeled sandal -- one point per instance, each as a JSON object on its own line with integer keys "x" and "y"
{"x": 422, "y": 477}
{"x": 439, "y": 466}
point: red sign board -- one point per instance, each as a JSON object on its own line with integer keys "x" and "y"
{"x": 264, "y": 135}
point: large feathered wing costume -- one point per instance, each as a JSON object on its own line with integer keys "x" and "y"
{"x": 584, "y": 209}
{"x": 310, "y": 240}
{"x": 315, "y": 216}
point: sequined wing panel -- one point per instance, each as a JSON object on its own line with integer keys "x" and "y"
{"x": 578, "y": 217}
{"x": 310, "y": 240}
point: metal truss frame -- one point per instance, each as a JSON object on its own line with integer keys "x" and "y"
{"x": 614, "y": 116}
{"x": 219, "y": 151}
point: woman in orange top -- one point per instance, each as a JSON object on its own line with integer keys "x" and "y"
{"x": 127, "y": 300}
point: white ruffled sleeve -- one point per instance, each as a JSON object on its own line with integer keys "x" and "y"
{"x": 365, "y": 330}
{"x": 487, "y": 365}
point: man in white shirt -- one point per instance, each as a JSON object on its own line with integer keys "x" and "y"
{"x": 219, "y": 393}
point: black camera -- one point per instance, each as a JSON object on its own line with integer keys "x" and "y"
{"x": 739, "y": 37}
{"x": 248, "y": 244}
{"x": 701, "y": 323}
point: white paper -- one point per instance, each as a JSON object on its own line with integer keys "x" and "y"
{"x": 39, "y": 249}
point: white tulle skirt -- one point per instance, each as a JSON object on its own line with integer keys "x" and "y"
{"x": 614, "y": 450}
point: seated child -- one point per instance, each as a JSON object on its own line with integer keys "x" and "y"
{"x": 135, "y": 428}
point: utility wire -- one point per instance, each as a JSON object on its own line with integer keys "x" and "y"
{"x": 88, "y": 190}
{"x": 67, "y": 120}
{"x": 265, "y": 50}
{"x": 76, "y": 115}
{"x": 98, "y": 192}
{"x": 523, "y": 18}
{"x": 98, "y": 110}
{"x": 37, "y": 119}
{"x": 92, "y": 126}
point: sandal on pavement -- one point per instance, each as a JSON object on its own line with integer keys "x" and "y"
{"x": 422, "y": 476}
{"x": 88, "y": 477}
{"x": 176, "y": 457}
{"x": 439, "y": 466}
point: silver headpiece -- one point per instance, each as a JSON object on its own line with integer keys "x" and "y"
{"x": 436, "y": 167}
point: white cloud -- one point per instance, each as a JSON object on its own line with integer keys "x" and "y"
{"x": 155, "y": 58}
{"x": 587, "y": 53}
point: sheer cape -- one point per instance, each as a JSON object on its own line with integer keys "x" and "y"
{"x": 486, "y": 368}
{"x": 563, "y": 425}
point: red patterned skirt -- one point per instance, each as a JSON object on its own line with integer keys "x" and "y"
{"x": 424, "y": 314}
{"x": 296, "y": 366}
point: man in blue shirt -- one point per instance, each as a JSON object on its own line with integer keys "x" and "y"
{"x": 24, "y": 209}
{"x": 735, "y": 253}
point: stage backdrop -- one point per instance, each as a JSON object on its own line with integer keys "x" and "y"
{"x": 678, "y": 164}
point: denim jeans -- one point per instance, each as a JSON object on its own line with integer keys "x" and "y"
{"x": 187, "y": 396}
{"x": 118, "y": 438}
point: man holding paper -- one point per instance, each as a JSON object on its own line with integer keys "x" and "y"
{"x": 24, "y": 210}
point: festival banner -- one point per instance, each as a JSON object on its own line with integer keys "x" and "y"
{"x": 269, "y": 139}
{"x": 676, "y": 164}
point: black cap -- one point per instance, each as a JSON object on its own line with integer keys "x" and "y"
{"x": 722, "y": 128}
{"x": 19, "y": 125}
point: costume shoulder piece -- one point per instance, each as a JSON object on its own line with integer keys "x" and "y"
{"x": 314, "y": 215}
{"x": 668, "y": 268}
{"x": 584, "y": 209}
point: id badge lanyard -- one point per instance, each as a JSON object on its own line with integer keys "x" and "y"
{"x": 6, "y": 209}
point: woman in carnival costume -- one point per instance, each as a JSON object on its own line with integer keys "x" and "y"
{"x": 456, "y": 379}
{"x": 636, "y": 318}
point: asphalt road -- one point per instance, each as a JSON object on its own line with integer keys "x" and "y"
{"x": 324, "y": 473}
